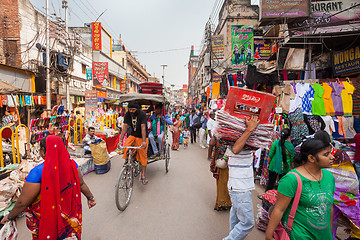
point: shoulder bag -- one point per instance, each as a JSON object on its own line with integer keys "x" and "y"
{"x": 281, "y": 232}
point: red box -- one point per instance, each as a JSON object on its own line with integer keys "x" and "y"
{"x": 152, "y": 88}
{"x": 244, "y": 102}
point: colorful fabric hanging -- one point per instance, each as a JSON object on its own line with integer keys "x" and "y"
{"x": 347, "y": 100}
{"x": 329, "y": 105}
{"x": 318, "y": 105}
{"x": 215, "y": 90}
{"x": 27, "y": 100}
{"x": 10, "y": 101}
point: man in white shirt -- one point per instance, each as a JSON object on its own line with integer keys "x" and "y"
{"x": 240, "y": 184}
{"x": 210, "y": 125}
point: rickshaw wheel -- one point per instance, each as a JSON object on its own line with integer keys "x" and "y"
{"x": 167, "y": 157}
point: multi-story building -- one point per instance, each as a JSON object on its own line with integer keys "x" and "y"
{"x": 135, "y": 72}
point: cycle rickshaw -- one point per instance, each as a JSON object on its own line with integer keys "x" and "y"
{"x": 131, "y": 168}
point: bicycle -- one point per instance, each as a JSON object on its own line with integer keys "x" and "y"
{"x": 124, "y": 186}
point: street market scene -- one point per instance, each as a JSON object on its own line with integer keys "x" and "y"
{"x": 115, "y": 123}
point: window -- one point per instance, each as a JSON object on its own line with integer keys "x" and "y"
{"x": 83, "y": 68}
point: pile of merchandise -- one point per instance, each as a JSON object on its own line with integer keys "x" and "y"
{"x": 230, "y": 128}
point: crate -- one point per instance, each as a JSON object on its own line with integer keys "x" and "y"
{"x": 246, "y": 103}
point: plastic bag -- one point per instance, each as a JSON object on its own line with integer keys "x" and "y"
{"x": 7, "y": 191}
{"x": 9, "y": 231}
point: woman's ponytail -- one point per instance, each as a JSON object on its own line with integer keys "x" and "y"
{"x": 284, "y": 134}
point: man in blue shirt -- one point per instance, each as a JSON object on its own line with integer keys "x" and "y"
{"x": 157, "y": 130}
{"x": 192, "y": 118}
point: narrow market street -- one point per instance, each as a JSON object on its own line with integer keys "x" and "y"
{"x": 176, "y": 205}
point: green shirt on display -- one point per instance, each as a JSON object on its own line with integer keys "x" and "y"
{"x": 312, "y": 218}
{"x": 276, "y": 164}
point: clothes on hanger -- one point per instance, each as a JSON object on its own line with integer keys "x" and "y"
{"x": 329, "y": 124}
{"x": 348, "y": 123}
{"x": 336, "y": 97}
{"x": 329, "y": 105}
{"x": 314, "y": 123}
{"x": 283, "y": 95}
{"x": 318, "y": 105}
{"x": 347, "y": 99}
{"x": 215, "y": 90}
{"x": 299, "y": 129}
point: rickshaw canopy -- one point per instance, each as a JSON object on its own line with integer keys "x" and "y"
{"x": 144, "y": 99}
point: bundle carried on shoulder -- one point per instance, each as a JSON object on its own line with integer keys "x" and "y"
{"x": 230, "y": 128}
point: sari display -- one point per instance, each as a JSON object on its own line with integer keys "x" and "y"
{"x": 223, "y": 201}
{"x": 56, "y": 213}
{"x": 346, "y": 196}
{"x": 176, "y": 134}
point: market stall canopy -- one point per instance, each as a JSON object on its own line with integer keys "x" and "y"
{"x": 144, "y": 99}
{"x": 7, "y": 88}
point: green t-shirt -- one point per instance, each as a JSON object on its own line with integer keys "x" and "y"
{"x": 312, "y": 218}
{"x": 275, "y": 155}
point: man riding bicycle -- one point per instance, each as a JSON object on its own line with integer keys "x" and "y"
{"x": 136, "y": 119}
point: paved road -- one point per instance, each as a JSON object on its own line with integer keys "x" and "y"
{"x": 176, "y": 205}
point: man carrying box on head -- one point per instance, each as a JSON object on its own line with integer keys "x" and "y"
{"x": 135, "y": 118}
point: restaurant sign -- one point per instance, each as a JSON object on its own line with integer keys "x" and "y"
{"x": 347, "y": 61}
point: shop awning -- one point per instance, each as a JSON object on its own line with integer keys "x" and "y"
{"x": 7, "y": 88}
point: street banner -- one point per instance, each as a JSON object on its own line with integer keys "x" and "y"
{"x": 100, "y": 74}
{"x": 218, "y": 47}
{"x": 185, "y": 88}
{"x": 89, "y": 74}
{"x": 242, "y": 46}
{"x": 262, "y": 49}
{"x": 347, "y": 62}
{"x": 96, "y": 35}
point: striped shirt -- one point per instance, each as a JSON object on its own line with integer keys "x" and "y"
{"x": 241, "y": 175}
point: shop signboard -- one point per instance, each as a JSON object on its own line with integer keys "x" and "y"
{"x": 242, "y": 46}
{"x": 279, "y": 9}
{"x": 262, "y": 49}
{"x": 89, "y": 74}
{"x": 216, "y": 77}
{"x": 90, "y": 98}
{"x": 123, "y": 84}
{"x": 334, "y": 16}
{"x": 185, "y": 88}
{"x": 101, "y": 94}
{"x": 100, "y": 74}
{"x": 96, "y": 35}
{"x": 113, "y": 95}
{"x": 218, "y": 47}
{"x": 347, "y": 62}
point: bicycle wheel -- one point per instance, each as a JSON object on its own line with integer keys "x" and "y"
{"x": 167, "y": 157}
{"x": 124, "y": 188}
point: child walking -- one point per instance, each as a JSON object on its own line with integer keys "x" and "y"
{"x": 186, "y": 136}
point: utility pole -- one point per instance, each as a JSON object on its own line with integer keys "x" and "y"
{"x": 210, "y": 51}
{"x": 310, "y": 46}
{"x": 48, "y": 90}
{"x": 65, "y": 6}
{"x": 163, "y": 76}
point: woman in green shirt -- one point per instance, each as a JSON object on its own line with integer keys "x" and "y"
{"x": 281, "y": 157}
{"x": 313, "y": 218}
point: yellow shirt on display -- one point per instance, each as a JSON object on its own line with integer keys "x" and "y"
{"x": 346, "y": 96}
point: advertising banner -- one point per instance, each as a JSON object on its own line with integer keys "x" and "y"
{"x": 90, "y": 98}
{"x": 88, "y": 74}
{"x": 262, "y": 49}
{"x": 185, "y": 88}
{"x": 218, "y": 47}
{"x": 242, "y": 46}
{"x": 347, "y": 62}
{"x": 278, "y": 9}
{"x": 96, "y": 35}
{"x": 100, "y": 74}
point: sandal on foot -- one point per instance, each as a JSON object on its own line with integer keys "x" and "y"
{"x": 144, "y": 181}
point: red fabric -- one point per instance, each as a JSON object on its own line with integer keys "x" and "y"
{"x": 60, "y": 208}
{"x": 111, "y": 142}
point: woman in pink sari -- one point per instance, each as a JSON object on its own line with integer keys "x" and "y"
{"x": 176, "y": 130}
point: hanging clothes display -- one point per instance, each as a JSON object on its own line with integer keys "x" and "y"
{"x": 310, "y": 74}
{"x": 307, "y": 98}
{"x": 224, "y": 87}
{"x": 347, "y": 99}
{"x": 318, "y": 105}
{"x": 329, "y": 105}
{"x": 336, "y": 97}
{"x": 349, "y": 127}
{"x": 356, "y": 98}
{"x": 215, "y": 90}
{"x": 314, "y": 123}
{"x": 298, "y": 128}
{"x": 231, "y": 80}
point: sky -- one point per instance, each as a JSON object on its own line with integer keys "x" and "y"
{"x": 147, "y": 26}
